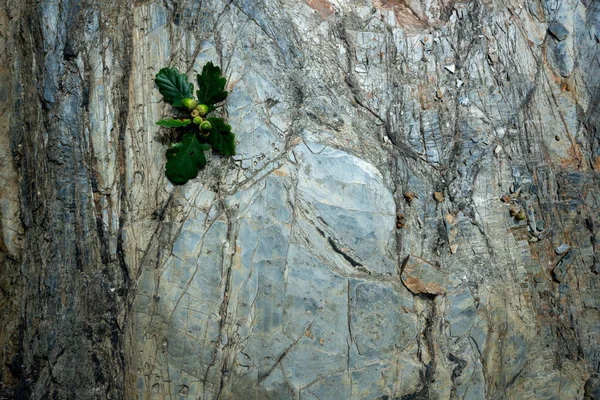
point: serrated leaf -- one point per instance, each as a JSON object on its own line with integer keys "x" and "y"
{"x": 173, "y": 123}
{"x": 174, "y": 86}
{"x": 185, "y": 159}
{"x": 211, "y": 86}
{"x": 221, "y": 138}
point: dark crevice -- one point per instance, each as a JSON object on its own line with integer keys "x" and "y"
{"x": 116, "y": 336}
{"x": 231, "y": 239}
{"x": 335, "y": 248}
{"x": 122, "y": 119}
{"x": 428, "y": 340}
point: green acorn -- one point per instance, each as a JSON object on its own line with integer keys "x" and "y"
{"x": 202, "y": 109}
{"x": 189, "y": 103}
{"x": 205, "y": 126}
{"x": 521, "y": 215}
{"x": 197, "y": 120}
{"x": 195, "y": 113}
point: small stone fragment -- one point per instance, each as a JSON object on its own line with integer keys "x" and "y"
{"x": 497, "y": 150}
{"x": 493, "y": 57}
{"x": 451, "y": 68}
{"x": 453, "y": 248}
{"x": 321, "y": 341}
{"x": 505, "y": 198}
{"x": 464, "y": 101}
{"x": 419, "y": 276}
{"x": 558, "y": 30}
{"x": 439, "y": 197}
{"x": 563, "y": 248}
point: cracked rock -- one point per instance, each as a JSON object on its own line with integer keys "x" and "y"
{"x": 281, "y": 273}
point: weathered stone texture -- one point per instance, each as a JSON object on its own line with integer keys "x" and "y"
{"x": 282, "y": 273}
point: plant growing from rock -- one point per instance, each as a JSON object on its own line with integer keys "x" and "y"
{"x": 198, "y": 131}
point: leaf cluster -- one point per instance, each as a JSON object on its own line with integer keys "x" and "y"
{"x": 186, "y": 157}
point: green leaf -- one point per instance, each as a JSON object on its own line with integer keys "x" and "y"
{"x": 221, "y": 138}
{"x": 173, "y": 123}
{"x": 211, "y": 86}
{"x": 185, "y": 159}
{"x": 173, "y": 86}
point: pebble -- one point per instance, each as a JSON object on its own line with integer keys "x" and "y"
{"x": 562, "y": 249}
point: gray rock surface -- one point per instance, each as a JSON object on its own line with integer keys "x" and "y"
{"x": 277, "y": 274}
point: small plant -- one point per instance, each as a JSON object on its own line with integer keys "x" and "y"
{"x": 186, "y": 157}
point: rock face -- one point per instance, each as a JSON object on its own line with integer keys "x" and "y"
{"x": 280, "y": 273}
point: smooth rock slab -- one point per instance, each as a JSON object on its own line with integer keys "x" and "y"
{"x": 348, "y": 200}
{"x": 293, "y": 306}
{"x": 381, "y": 319}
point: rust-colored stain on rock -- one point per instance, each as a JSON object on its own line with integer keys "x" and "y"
{"x": 323, "y": 7}
{"x": 405, "y": 16}
{"x": 417, "y": 286}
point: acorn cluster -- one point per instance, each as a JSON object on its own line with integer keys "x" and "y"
{"x": 198, "y": 112}
{"x": 198, "y": 132}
